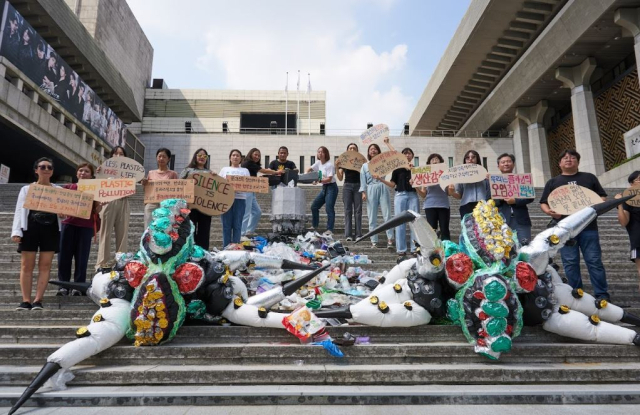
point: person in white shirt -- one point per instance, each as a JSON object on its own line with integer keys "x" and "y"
{"x": 329, "y": 192}
{"x": 232, "y": 218}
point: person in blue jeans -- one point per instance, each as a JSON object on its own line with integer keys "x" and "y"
{"x": 329, "y": 192}
{"x": 375, "y": 193}
{"x": 252, "y": 210}
{"x": 232, "y": 218}
{"x": 587, "y": 241}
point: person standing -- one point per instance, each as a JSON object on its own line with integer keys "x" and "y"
{"x": 329, "y": 192}
{"x": 375, "y": 193}
{"x": 352, "y": 198}
{"x": 587, "y": 241}
{"x": 232, "y": 218}
{"x": 201, "y": 221}
{"x": 629, "y": 217}
{"x": 470, "y": 193}
{"x": 163, "y": 156}
{"x": 515, "y": 211}
{"x": 281, "y": 163}
{"x": 35, "y": 231}
{"x": 436, "y": 203}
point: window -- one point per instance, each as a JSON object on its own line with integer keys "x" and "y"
{"x": 172, "y": 162}
{"x": 484, "y": 162}
{"x": 450, "y": 161}
{"x": 313, "y": 160}
{"x": 301, "y": 164}
{"x": 266, "y": 162}
{"x": 416, "y": 161}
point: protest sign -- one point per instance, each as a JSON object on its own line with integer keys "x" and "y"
{"x": 507, "y": 186}
{"x": 4, "y": 173}
{"x": 464, "y": 173}
{"x": 633, "y": 190}
{"x": 386, "y": 162}
{"x": 106, "y": 190}
{"x": 213, "y": 195}
{"x": 570, "y": 198}
{"x": 249, "y": 184}
{"x": 58, "y": 200}
{"x": 374, "y": 134}
{"x": 428, "y": 175}
{"x": 350, "y": 160}
{"x": 158, "y": 190}
{"x": 121, "y": 168}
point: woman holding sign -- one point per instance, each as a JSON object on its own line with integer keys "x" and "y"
{"x": 252, "y": 211}
{"x": 470, "y": 193}
{"x": 34, "y": 230}
{"x": 351, "y": 197}
{"x": 436, "y": 203}
{"x": 375, "y": 193}
{"x": 629, "y": 217}
{"x": 232, "y": 218}
{"x": 163, "y": 156}
{"x": 329, "y": 192}
{"x": 200, "y": 220}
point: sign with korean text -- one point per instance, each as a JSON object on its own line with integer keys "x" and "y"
{"x": 635, "y": 191}
{"x": 385, "y": 163}
{"x": 350, "y": 160}
{"x": 464, "y": 173}
{"x": 377, "y": 133}
{"x": 57, "y": 200}
{"x": 213, "y": 195}
{"x": 106, "y": 190}
{"x": 249, "y": 184}
{"x": 570, "y": 198}
{"x": 121, "y": 168}
{"x": 507, "y": 186}
{"x": 4, "y": 173}
{"x": 428, "y": 175}
{"x": 158, "y": 190}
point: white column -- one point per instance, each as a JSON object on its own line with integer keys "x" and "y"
{"x": 538, "y": 151}
{"x": 521, "y": 145}
{"x": 629, "y": 19}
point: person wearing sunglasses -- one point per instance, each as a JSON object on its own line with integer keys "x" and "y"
{"x": 35, "y": 231}
{"x": 199, "y": 164}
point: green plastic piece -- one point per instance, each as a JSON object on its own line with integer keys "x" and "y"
{"x": 196, "y": 309}
{"x": 314, "y": 304}
{"x": 502, "y": 344}
{"x": 495, "y": 309}
{"x": 450, "y": 248}
{"x": 160, "y": 224}
{"x": 162, "y": 239}
{"x": 453, "y": 311}
{"x": 161, "y": 213}
{"x": 495, "y": 291}
{"x": 489, "y": 356}
{"x": 496, "y": 326}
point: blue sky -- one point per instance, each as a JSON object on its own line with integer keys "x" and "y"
{"x": 373, "y": 57}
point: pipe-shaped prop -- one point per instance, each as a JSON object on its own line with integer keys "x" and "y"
{"x": 48, "y": 370}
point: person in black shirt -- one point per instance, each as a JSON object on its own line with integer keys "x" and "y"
{"x": 629, "y": 217}
{"x": 587, "y": 241}
{"x": 281, "y": 162}
{"x": 252, "y": 210}
{"x": 351, "y": 197}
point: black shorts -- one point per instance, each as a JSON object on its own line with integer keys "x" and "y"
{"x": 45, "y": 238}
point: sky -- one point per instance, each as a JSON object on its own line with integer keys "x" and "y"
{"x": 372, "y": 57}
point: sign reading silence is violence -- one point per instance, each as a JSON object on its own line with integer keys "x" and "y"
{"x": 213, "y": 195}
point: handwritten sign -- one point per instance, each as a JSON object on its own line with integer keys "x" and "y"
{"x": 464, "y": 173}
{"x": 106, "y": 190}
{"x": 4, "y": 173}
{"x": 121, "y": 168}
{"x": 158, "y": 190}
{"x": 507, "y": 186}
{"x": 376, "y": 133}
{"x": 570, "y": 198}
{"x": 428, "y": 175}
{"x": 57, "y": 200}
{"x": 213, "y": 195}
{"x": 350, "y": 160}
{"x": 633, "y": 190}
{"x": 249, "y": 184}
{"x": 385, "y": 163}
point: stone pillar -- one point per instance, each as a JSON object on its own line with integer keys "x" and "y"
{"x": 521, "y": 146}
{"x": 538, "y": 151}
{"x": 34, "y": 96}
{"x": 585, "y": 122}
{"x": 629, "y": 19}
{"x": 60, "y": 118}
{"x": 18, "y": 83}
{"x": 48, "y": 107}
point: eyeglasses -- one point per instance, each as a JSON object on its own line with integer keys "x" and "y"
{"x": 45, "y": 167}
{"x": 202, "y": 156}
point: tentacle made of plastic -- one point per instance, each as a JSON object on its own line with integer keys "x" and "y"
{"x": 238, "y": 312}
{"x": 399, "y": 271}
{"x": 567, "y": 322}
{"x": 374, "y": 312}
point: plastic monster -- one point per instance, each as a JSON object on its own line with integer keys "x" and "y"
{"x": 149, "y": 294}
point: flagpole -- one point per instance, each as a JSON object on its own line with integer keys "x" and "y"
{"x": 309, "y": 103}
{"x": 286, "y": 104}
{"x": 298, "y": 111}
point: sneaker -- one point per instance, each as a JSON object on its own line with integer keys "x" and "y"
{"x": 62, "y": 292}
{"x": 328, "y": 233}
{"x": 37, "y": 305}
{"x": 402, "y": 256}
{"x": 391, "y": 244}
{"x": 349, "y": 239}
{"x": 24, "y": 306}
{"x": 75, "y": 293}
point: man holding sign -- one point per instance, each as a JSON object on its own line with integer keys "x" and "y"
{"x": 587, "y": 241}
{"x": 515, "y": 211}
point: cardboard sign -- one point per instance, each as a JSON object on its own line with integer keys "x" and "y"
{"x": 57, "y": 200}
{"x": 213, "y": 195}
{"x": 428, "y": 175}
{"x": 249, "y": 184}
{"x": 570, "y": 198}
{"x": 4, "y": 173}
{"x": 385, "y": 163}
{"x": 121, "y": 168}
{"x": 158, "y": 190}
{"x": 464, "y": 173}
{"x": 106, "y": 190}
{"x": 507, "y": 186}
{"x": 633, "y": 190}
{"x": 377, "y": 133}
{"x": 350, "y": 160}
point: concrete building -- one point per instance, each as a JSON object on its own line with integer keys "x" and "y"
{"x": 103, "y": 61}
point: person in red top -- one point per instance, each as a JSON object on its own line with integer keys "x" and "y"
{"x": 75, "y": 238}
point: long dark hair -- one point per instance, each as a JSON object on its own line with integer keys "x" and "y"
{"x": 478, "y": 160}
{"x": 373, "y": 145}
{"x": 194, "y": 160}
{"x": 249, "y": 156}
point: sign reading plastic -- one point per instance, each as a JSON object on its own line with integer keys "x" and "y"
{"x": 158, "y": 190}
{"x": 213, "y": 195}
{"x": 350, "y": 160}
{"x": 121, "y": 168}
{"x": 570, "y": 198}
{"x": 376, "y": 133}
{"x": 249, "y": 184}
{"x": 57, "y": 200}
{"x": 507, "y": 186}
{"x": 385, "y": 163}
{"x": 635, "y": 191}
{"x": 107, "y": 190}
{"x": 428, "y": 175}
{"x": 464, "y": 173}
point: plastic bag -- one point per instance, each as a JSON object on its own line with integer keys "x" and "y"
{"x": 302, "y": 323}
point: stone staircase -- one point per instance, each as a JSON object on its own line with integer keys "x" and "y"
{"x": 251, "y": 366}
